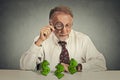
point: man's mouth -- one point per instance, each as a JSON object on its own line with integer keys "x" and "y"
{"x": 63, "y": 35}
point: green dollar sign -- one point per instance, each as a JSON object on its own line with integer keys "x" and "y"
{"x": 72, "y": 66}
{"x": 58, "y": 72}
{"x": 44, "y": 68}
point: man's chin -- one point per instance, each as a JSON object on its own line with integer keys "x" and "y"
{"x": 63, "y": 38}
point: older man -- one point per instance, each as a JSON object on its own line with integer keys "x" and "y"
{"x": 58, "y": 43}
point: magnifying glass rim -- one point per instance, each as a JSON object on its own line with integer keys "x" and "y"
{"x": 57, "y": 27}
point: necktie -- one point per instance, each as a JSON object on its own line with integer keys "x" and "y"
{"x": 64, "y": 56}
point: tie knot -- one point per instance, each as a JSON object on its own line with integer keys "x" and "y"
{"x": 62, "y": 43}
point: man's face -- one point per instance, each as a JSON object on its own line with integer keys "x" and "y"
{"x": 67, "y": 22}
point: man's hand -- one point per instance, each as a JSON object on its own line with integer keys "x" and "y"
{"x": 44, "y": 34}
{"x": 65, "y": 67}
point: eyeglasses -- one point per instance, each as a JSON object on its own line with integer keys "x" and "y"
{"x": 60, "y": 26}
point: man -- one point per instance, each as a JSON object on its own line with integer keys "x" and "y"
{"x": 49, "y": 45}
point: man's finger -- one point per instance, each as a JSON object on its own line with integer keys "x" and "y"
{"x": 65, "y": 67}
{"x": 51, "y": 28}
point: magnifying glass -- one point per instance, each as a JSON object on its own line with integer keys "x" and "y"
{"x": 58, "y": 25}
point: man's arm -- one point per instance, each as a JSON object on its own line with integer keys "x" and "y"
{"x": 95, "y": 61}
{"x": 29, "y": 60}
{"x": 32, "y": 57}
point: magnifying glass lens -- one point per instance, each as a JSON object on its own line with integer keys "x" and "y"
{"x": 59, "y": 26}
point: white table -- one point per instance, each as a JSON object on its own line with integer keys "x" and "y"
{"x": 31, "y": 75}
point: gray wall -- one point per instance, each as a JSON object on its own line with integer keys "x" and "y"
{"x": 21, "y": 20}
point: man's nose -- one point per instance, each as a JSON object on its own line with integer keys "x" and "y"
{"x": 64, "y": 30}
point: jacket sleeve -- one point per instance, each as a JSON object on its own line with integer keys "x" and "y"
{"x": 31, "y": 57}
{"x": 95, "y": 61}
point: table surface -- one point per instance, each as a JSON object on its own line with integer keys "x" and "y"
{"x": 31, "y": 75}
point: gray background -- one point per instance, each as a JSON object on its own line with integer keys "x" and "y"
{"x": 21, "y": 20}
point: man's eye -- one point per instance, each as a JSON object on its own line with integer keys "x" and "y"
{"x": 67, "y": 25}
{"x": 59, "y": 25}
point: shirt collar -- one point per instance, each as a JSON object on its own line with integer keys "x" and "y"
{"x": 56, "y": 40}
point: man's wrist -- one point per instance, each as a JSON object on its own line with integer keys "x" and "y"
{"x": 79, "y": 67}
{"x": 39, "y": 42}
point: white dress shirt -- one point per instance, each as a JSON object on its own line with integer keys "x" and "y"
{"x": 79, "y": 45}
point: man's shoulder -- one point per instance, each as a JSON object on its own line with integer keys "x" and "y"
{"x": 79, "y": 34}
